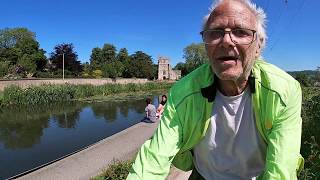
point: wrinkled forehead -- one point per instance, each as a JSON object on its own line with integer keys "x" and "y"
{"x": 232, "y": 15}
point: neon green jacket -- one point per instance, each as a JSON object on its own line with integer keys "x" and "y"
{"x": 276, "y": 98}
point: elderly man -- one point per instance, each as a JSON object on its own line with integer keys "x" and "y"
{"x": 236, "y": 117}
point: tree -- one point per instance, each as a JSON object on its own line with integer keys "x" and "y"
{"x": 317, "y": 76}
{"x": 10, "y": 37}
{"x": 195, "y": 55}
{"x": 27, "y": 64}
{"x": 124, "y": 59}
{"x": 303, "y": 79}
{"x": 154, "y": 71}
{"x": 127, "y": 71}
{"x": 86, "y": 70}
{"x": 70, "y": 59}
{"x": 96, "y": 58}
{"x": 123, "y": 55}
{"x": 113, "y": 69}
{"x": 108, "y": 53}
{"x": 182, "y": 67}
{"x": 19, "y": 47}
{"x": 102, "y": 56}
{"x": 140, "y": 65}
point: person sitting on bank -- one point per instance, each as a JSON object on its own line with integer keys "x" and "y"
{"x": 150, "y": 112}
{"x": 161, "y": 105}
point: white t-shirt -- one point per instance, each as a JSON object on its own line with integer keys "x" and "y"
{"x": 232, "y": 147}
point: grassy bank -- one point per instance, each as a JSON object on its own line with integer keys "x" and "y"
{"x": 14, "y": 95}
{"x": 310, "y": 142}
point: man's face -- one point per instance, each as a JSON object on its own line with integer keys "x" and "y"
{"x": 232, "y": 61}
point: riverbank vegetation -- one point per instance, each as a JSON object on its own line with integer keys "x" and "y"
{"x": 44, "y": 94}
{"x": 118, "y": 170}
{"x": 310, "y": 142}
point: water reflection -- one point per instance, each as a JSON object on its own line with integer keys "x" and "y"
{"x": 67, "y": 120}
{"x": 22, "y": 127}
{"x": 109, "y": 110}
{"x": 31, "y": 136}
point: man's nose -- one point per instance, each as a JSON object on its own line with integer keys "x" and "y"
{"x": 226, "y": 40}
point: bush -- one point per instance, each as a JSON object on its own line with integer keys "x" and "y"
{"x": 97, "y": 74}
{"x": 310, "y": 148}
{"x": 116, "y": 171}
{"x": 85, "y": 75}
{"x": 4, "y": 68}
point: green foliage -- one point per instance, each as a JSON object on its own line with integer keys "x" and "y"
{"x": 71, "y": 62}
{"x": 86, "y": 70}
{"x": 27, "y": 63}
{"x": 116, "y": 171}
{"x": 14, "y": 95}
{"x": 97, "y": 74}
{"x": 307, "y": 76}
{"x": 18, "y": 47}
{"x": 108, "y": 53}
{"x": 96, "y": 58}
{"x": 310, "y": 148}
{"x": 140, "y": 65}
{"x": 123, "y": 55}
{"x": 312, "y": 160}
{"x": 317, "y": 75}
{"x": 10, "y": 37}
{"x": 113, "y": 69}
{"x": 4, "y": 68}
{"x": 154, "y": 72}
{"x": 303, "y": 79}
{"x": 195, "y": 55}
{"x": 182, "y": 67}
{"x": 114, "y": 65}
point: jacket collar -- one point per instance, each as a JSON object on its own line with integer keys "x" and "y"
{"x": 210, "y": 91}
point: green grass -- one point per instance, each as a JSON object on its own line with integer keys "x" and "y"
{"x": 118, "y": 170}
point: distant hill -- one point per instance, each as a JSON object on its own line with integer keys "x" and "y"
{"x": 310, "y": 73}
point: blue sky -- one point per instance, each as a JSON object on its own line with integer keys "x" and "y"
{"x": 161, "y": 28}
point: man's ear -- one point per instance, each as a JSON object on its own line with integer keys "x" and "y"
{"x": 259, "y": 48}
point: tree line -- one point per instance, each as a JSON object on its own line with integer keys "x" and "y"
{"x": 21, "y": 56}
{"x": 307, "y": 78}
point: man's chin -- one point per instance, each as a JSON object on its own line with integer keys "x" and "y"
{"x": 228, "y": 76}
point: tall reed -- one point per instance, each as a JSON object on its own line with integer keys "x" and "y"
{"x": 14, "y": 95}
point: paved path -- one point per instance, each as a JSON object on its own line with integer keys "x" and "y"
{"x": 91, "y": 161}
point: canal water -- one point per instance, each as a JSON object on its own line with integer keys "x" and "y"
{"x": 32, "y": 136}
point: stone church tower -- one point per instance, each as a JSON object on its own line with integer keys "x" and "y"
{"x": 165, "y": 71}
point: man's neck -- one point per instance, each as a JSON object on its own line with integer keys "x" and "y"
{"x": 232, "y": 88}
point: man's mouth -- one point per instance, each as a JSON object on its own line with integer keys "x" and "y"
{"x": 228, "y": 58}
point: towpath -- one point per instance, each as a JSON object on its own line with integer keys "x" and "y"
{"x": 92, "y": 160}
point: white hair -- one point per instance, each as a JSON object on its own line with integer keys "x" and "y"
{"x": 258, "y": 12}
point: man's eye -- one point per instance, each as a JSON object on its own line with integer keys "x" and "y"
{"x": 241, "y": 32}
{"x": 215, "y": 34}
